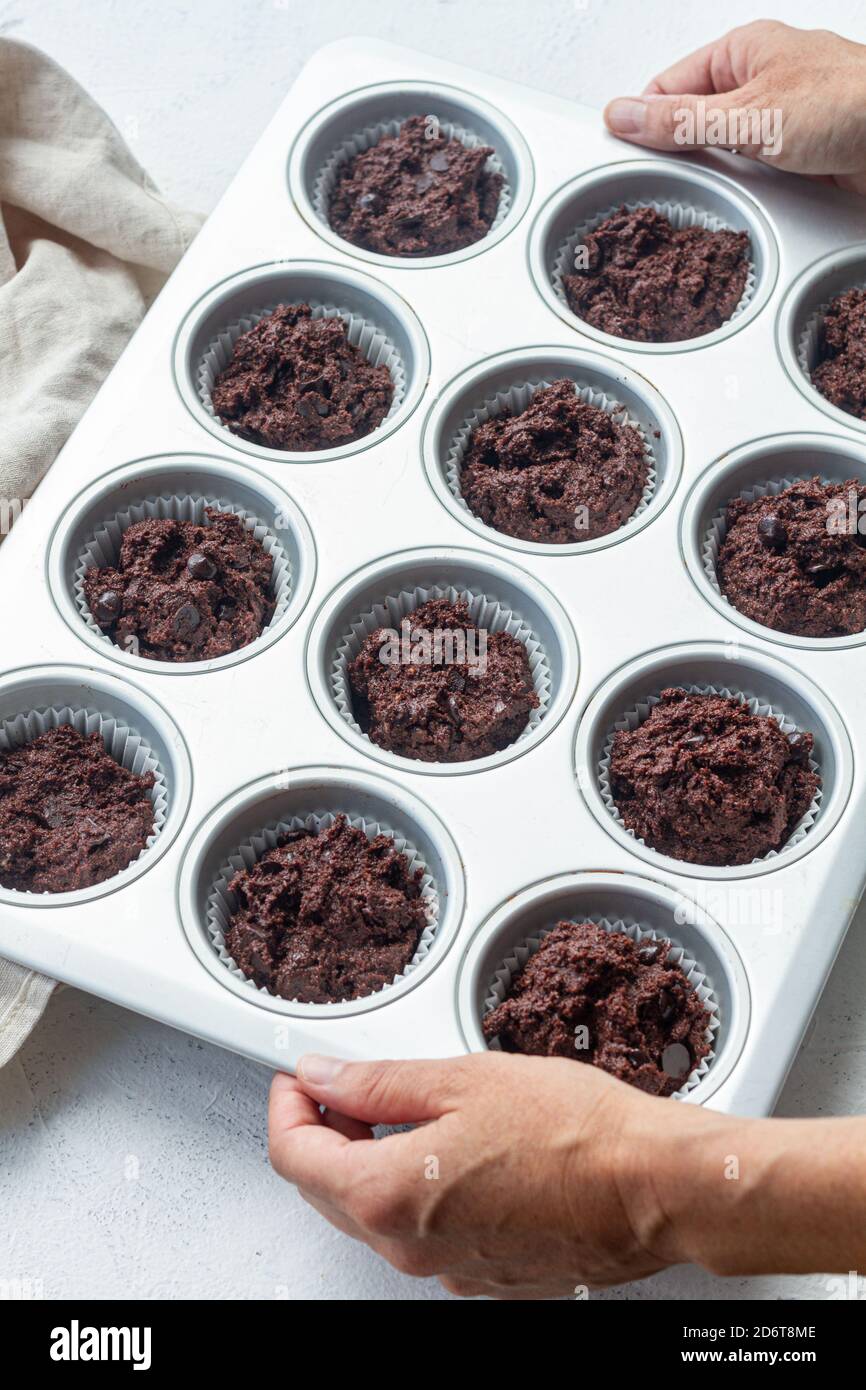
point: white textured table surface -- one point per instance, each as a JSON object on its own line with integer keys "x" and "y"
{"x": 133, "y": 1159}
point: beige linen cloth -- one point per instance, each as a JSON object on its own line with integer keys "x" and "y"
{"x": 86, "y": 242}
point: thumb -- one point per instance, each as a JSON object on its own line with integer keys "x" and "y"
{"x": 678, "y": 122}
{"x": 383, "y": 1092}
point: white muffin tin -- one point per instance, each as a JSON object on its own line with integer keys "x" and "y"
{"x": 525, "y": 838}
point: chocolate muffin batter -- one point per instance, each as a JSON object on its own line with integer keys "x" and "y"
{"x": 787, "y": 563}
{"x": 295, "y": 382}
{"x": 184, "y": 592}
{"x": 432, "y": 705}
{"x": 416, "y": 193}
{"x": 326, "y": 917}
{"x": 840, "y": 374}
{"x": 70, "y": 816}
{"x": 644, "y": 1023}
{"x": 559, "y": 472}
{"x": 656, "y": 283}
{"x": 705, "y": 780}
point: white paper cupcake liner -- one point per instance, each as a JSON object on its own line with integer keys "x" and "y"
{"x": 220, "y": 903}
{"x": 323, "y": 185}
{"x": 809, "y": 341}
{"x": 123, "y": 744}
{"x": 375, "y": 345}
{"x": 678, "y": 214}
{"x": 513, "y": 963}
{"x": 632, "y": 718}
{"x": 102, "y": 548}
{"x": 484, "y": 612}
{"x": 516, "y": 399}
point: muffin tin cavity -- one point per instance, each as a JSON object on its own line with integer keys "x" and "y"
{"x": 357, "y": 121}
{"x": 500, "y": 598}
{"x": 798, "y": 329}
{"x": 250, "y": 821}
{"x": 136, "y": 732}
{"x": 639, "y": 906}
{"x": 181, "y": 486}
{"x": 379, "y": 323}
{"x": 687, "y": 196}
{"x": 768, "y": 686}
{"x": 510, "y": 379}
{"x": 761, "y": 468}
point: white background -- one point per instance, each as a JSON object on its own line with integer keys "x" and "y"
{"x": 133, "y": 1158}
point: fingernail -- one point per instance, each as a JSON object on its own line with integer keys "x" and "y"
{"x": 319, "y": 1071}
{"x": 627, "y": 116}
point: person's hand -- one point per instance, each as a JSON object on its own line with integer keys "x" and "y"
{"x": 529, "y": 1177}
{"x": 815, "y": 80}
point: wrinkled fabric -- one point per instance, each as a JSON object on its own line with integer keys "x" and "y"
{"x": 86, "y": 242}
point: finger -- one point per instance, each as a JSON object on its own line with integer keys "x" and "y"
{"x": 470, "y": 1285}
{"x": 303, "y": 1149}
{"x": 677, "y": 122}
{"x": 707, "y": 70}
{"x": 345, "y": 1125}
{"x": 384, "y": 1092}
{"x": 332, "y": 1215}
{"x": 464, "y": 1288}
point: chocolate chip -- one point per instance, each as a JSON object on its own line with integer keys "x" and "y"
{"x": 676, "y": 1060}
{"x": 108, "y": 606}
{"x": 648, "y": 955}
{"x": 186, "y": 620}
{"x": 200, "y": 567}
{"x": 695, "y": 741}
{"x": 823, "y": 574}
{"x": 439, "y": 161}
{"x": 368, "y": 201}
{"x": 636, "y": 1058}
{"x": 772, "y": 534}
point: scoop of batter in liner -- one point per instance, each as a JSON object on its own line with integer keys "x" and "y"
{"x": 792, "y": 562}
{"x": 443, "y": 709}
{"x": 559, "y": 472}
{"x": 840, "y": 374}
{"x": 327, "y": 916}
{"x": 416, "y": 193}
{"x": 296, "y": 382}
{"x": 70, "y": 815}
{"x": 182, "y": 591}
{"x": 655, "y": 283}
{"x": 600, "y": 997}
{"x": 704, "y": 780}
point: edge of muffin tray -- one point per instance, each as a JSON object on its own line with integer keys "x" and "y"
{"x": 517, "y": 841}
